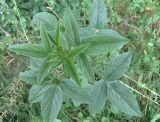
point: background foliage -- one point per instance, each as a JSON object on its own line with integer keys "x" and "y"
{"x": 139, "y": 20}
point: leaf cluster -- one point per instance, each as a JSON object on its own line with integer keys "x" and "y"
{"x": 64, "y": 49}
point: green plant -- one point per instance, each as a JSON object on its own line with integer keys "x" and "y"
{"x": 63, "y": 52}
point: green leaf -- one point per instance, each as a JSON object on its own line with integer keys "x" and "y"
{"x": 29, "y": 76}
{"x": 46, "y": 68}
{"x": 29, "y": 50}
{"x": 117, "y": 66}
{"x": 71, "y": 29}
{"x": 35, "y": 62}
{"x": 51, "y": 103}
{"x": 86, "y": 31}
{"x": 77, "y": 50}
{"x": 122, "y": 98}
{"x": 98, "y": 15}
{"x": 86, "y": 68}
{"x": 36, "y": 93}
{"x": 104, "y": 43}
{"x": 87, "y": 90}
{"x": 46, "y": 41}
{"x": 108, "y": 32}
{"x": 75, "y": 92}
{"x": 47, "y": 19}
{"x": 99, "y": 94}
{"x": 58, "y": 35}
{"x": 71, "y": 69}
{"x": 155, "y": 118}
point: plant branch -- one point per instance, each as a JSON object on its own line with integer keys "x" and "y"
{"x": 50, "y": 8}
{"x": 141, "y": 85}
{"x": 140, "y": 93}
